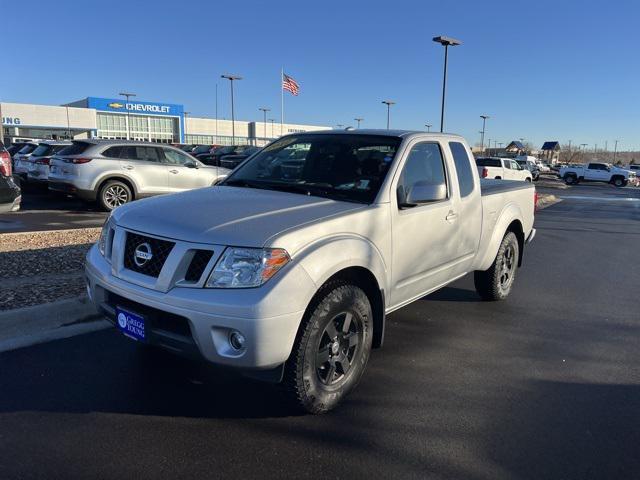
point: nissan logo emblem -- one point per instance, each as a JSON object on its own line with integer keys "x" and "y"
{"x": 142, "y": 254}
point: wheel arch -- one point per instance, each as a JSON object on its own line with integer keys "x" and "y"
{"x": 354, "y": 260}
{"x": 121, "y": 178}
{"x": 509, "y": 221}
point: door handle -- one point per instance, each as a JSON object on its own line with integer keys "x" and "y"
{"x": 173, "y": 171}
{"x": 128, "y": 167}
{"x": 451, "y": 216}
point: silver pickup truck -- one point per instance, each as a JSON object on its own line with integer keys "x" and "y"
{"x": 287, "y": 270}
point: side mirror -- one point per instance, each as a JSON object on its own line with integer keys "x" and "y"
{"x": 191, "y": 165}
{"x": 425, "y": 192}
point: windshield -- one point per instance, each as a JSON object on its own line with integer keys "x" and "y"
{"x": 343, "y": 167}
{"x": 225, "y": 150}
{"x": 201, "y": 149}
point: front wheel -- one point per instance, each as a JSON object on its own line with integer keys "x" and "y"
{"x": 331, "y": 350}
{"x": 570, "y": 179}
{"x": 619, "y": 182}
{"x": 496, "y": 282}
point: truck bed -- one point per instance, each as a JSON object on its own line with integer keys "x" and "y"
{"x": 492, "y": 186}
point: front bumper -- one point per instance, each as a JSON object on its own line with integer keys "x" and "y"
{"x": 198, "y": 321}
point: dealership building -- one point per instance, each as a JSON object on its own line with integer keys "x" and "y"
{"x": 95, "y": 117}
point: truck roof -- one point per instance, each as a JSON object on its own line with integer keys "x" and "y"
{"x": 383, "y": 132}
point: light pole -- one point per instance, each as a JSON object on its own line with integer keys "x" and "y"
{"x": 264, "y": 110}
{"x": 186, "y": 114}
{"x": 272, "y": 120}
{"x": 500, "y": 144}
{"x": 484, "y": 122}
{"x": 127, "y": 95}
{"x": 231, "y": 78}
{"x": 446, "y": 42}
{"x": 428, "y": 125}
{"x": 615, "y": 151}
{"x": 388, "y": 103}
{"x": 358, "y": 120}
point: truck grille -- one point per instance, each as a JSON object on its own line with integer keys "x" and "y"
{"x": 146, "y": 255}
{"x": 198, "y": 263}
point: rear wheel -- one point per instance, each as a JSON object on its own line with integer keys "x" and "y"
{"x": 570, "y": 179}
{"x": 496, "y": 282}
{"x": 113, "y": 194}
{"x": 331, "y": 349}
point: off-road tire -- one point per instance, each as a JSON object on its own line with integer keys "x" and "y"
{"x": 302, "y": 383}
{"x": 491, "y": 284}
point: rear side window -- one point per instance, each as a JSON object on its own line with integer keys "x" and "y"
{"x": 488, "y": 162}
{"x": 463, "y": 167}
{"x": 76, "y": 149}
{"x": 113, "y": 152}
{"x": 149, "y": 154}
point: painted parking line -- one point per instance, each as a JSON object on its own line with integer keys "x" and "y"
{"x": 600, "y": 199}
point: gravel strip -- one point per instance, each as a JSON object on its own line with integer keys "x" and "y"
{"x": 42, "y": 267}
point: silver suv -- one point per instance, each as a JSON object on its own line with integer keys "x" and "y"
{"x": 114, "y": 172}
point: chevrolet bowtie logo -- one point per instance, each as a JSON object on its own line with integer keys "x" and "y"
{"x": 116, "y": 105}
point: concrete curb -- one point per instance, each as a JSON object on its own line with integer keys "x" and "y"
{"x": 28, "y": 326}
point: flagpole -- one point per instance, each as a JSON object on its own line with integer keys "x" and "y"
{"x": 281, "y": 101}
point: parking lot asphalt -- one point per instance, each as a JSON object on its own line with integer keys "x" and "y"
{"x": 543, "y": 385}
{"x": 42, "y": 210}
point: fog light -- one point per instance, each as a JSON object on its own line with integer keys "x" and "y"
{"x": 236, "y": 340}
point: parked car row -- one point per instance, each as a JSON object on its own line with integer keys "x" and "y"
{"x": 110, "y": 172}
{"x": 214, "y": 154}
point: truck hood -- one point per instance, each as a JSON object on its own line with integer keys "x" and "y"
{"x": 226, "y": 215}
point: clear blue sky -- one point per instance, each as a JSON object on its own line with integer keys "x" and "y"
{"x": 543, "y": 70}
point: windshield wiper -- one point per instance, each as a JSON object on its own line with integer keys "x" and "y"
{"x": 241, "y": 183}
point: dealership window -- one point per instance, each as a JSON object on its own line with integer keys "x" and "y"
{"x": 142, "y": 127}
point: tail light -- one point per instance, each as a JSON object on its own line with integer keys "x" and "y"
{"x": 535, "y": 201}
{"x": 485, "y": 172}
{"x": 43, "y": 161}
{"x": 5, "y": 164}
{"x": 77, "y": 161}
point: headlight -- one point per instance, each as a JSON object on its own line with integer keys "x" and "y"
{"x": 247, "y": 267}
{"x": 104, "y": 235}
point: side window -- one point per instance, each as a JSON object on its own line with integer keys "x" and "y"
{"x": 463, "y": 167}
{"x": 153, "y": 154}
{"x": 507, "y": 164}
{"x": 175, "y": 158}
{"x": 424, "y": 165}
{"x": 113, "y": 152}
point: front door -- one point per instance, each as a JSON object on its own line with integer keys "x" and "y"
{"x": 425, "y": 237}
{"x": 181, "y": 176}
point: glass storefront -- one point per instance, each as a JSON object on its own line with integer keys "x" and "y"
{"x": 213, "y": 140}
{"x": 142, "y": 127}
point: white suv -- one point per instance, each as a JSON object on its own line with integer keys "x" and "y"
{"x": 114, "y": 172}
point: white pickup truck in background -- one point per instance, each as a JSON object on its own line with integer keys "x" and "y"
{"x": 287, "y": 270}
{"x": 502, "y": 169}
{"x": 597, "y": 172}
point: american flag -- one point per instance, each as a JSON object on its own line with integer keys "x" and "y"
{"x": 290, "y": 85}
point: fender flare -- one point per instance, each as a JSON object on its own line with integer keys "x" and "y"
{"x": 328, "y": 256}
{"x": 509, "y": 214}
